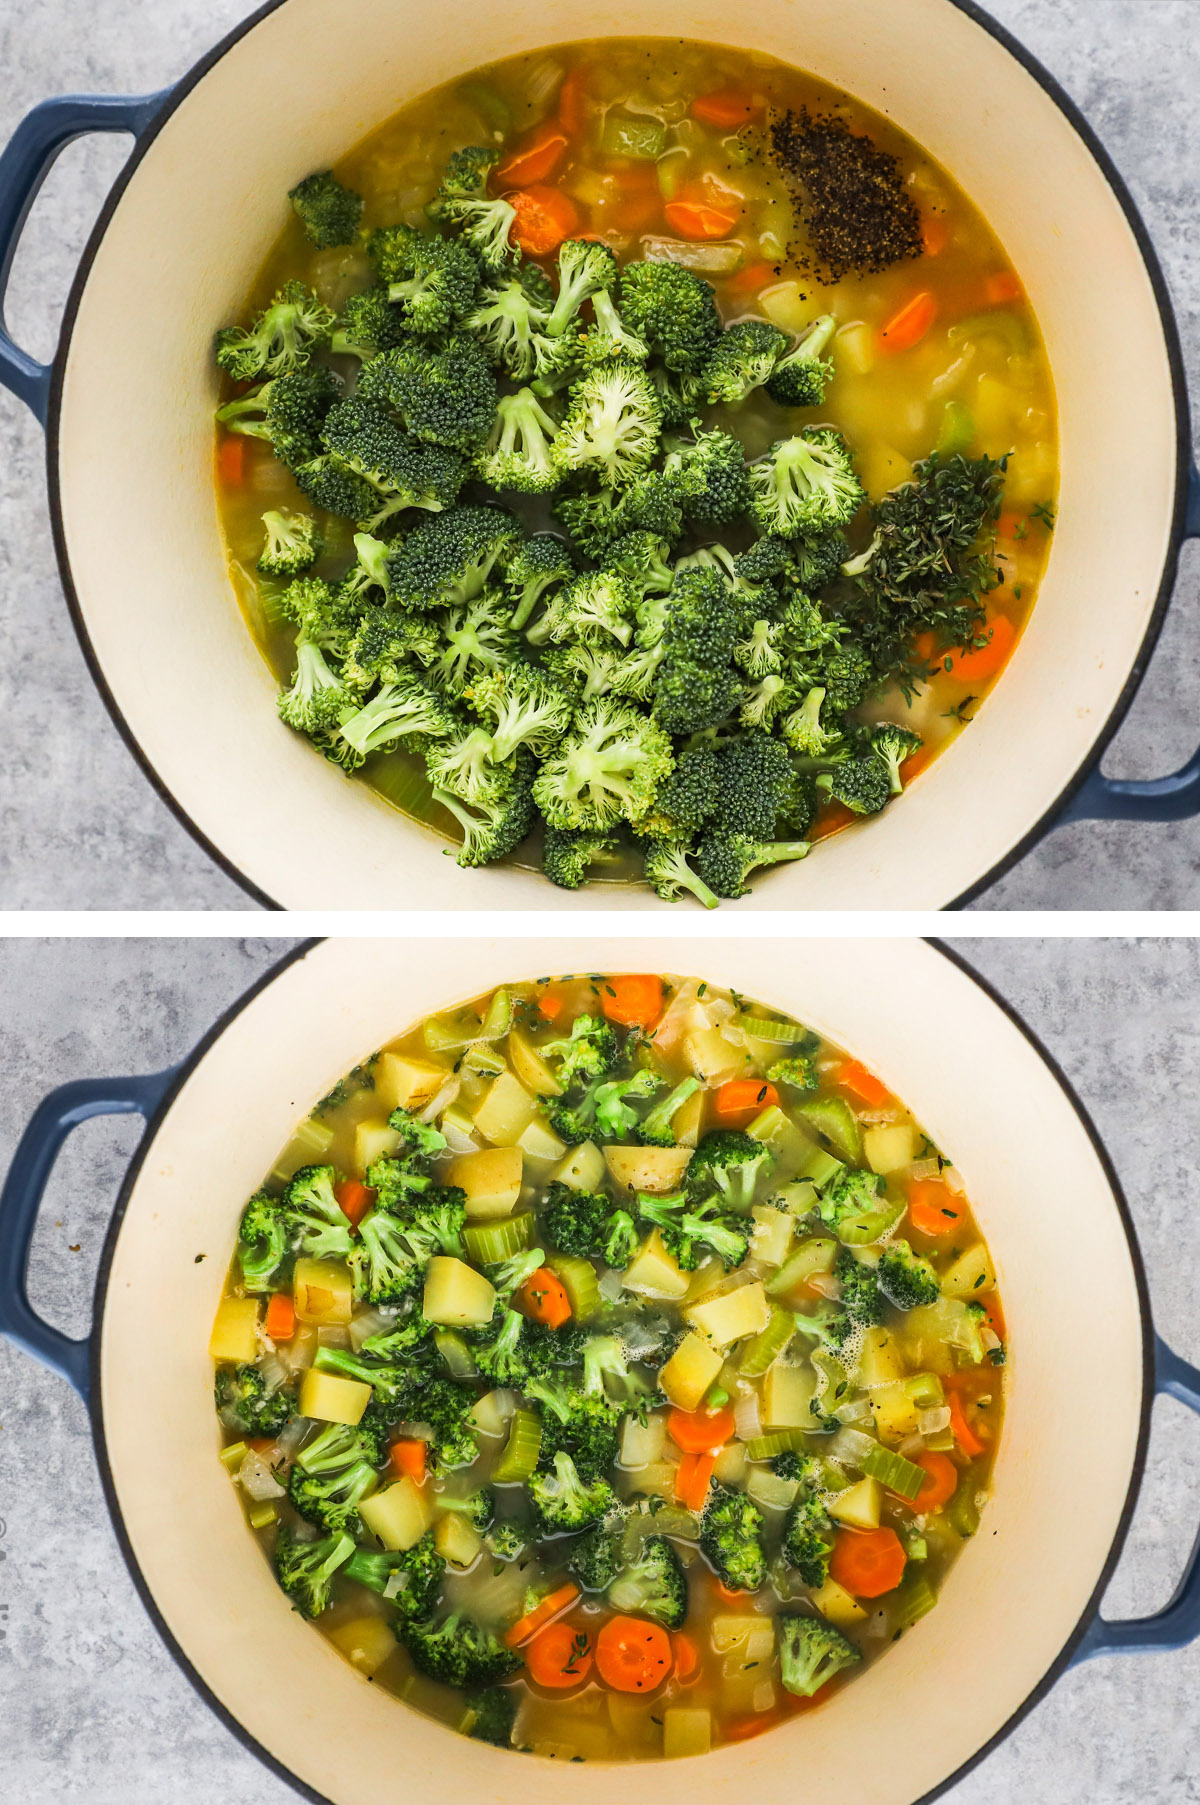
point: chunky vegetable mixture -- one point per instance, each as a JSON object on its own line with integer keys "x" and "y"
{"x": 611, "y": 1367}
{"x": 638, "y": 471}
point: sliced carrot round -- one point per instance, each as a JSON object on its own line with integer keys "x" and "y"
{"x": 560, "y": 1656}
{"x": 687, "y": 1658}
{"x": 867, "y": 1562}
{"x": 908, "y": 327}
{"x": 931, "y": 1208}
{"x": 633, "y": 1001}
{"x": 535, "y": 159}
{"x": 739, "y": 1100}
{"x": 633, "y": 1655}
{"x": 941, "y": 1482}
{"x": 696, "y": 219}
{"x": 354, "y": 1200}
{"x": 544, "y": 218}
{"x": 700, "y": 1431}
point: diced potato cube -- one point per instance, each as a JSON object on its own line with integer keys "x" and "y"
{"x": 506, "y": 1111}
{"x": 710, "y": 1056}
{"x": 366, "y": 1642}
{"x": 732, "y": 1630}
{"x": 399, "y": 1515}
{"x": 860, "y": 1506}
{"x": 402, "y": 1082}
{"x": 692, "y": 1368}
{"x": 374, "y": 1140}
{"x": 583, "y": 1169}
{"x": 530, "y": 1067}
{"x": 732, "y": 1315}
{"x": 652, "y": 1169}
{"x": 890, "y": 1146}
{"x": 730, "y": 1468}
{"x": 539, "y": 1142}
{"x": 456, "y": 1294}
{"x": 971, "y": 1275}
{"x": 323, "y": 1291}
{"x": 455, "y": 1539}
{"x": 655, "y": 1481}
{"x": 233, "y": 1336}
{"x": 773, "y": 1230}
{"x": 881, "y": 1360}
{"x": 685, "y": 1123}
{"x": 654, "y": 1272}
{"x": 329, "y": 1398}
{"x": 787, "y": 1397}
{"x": 785, "y": 305}
{"x": 687, "y": 1730}
{"x": 855, "y": 346}
{"x": 837, "y": 1605}
{"x": 493, "y": 1413}
{"x": 491, "y": 1180}
{"x": 633, "y": 1722}
{"x": 895, "y": 1413}
{"x": 643, "y": 1443}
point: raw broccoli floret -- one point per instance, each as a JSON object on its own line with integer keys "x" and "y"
{"x": 697, "y": 686}
{"x": 801, "y": 376}
{"x": 810, "y": 1653}
{"x": 612, "y": 423}
{"x": 262, "y": 1241}
{"x": 595, "y": 1557}
{"x": 331, "y": 1474}
{"x": 591, "y": 610}
{"x": 731, "y": 1164}
{"x": 494, "y": 1714}
{"x": 859, "y": 784}
{"x": 435, "y": 284}
{"x": 330, "y": 486}
{"x": 458, "y": 1652}
{"x": 317, "y": 699}
{"x": 860, "y": 1288}
{"x": 905, "y": 1279}
{"x": 643, "y": 557}
{"x": 725, "y": 861}
{"x": 466, "y": 766}
{"x": 519, "y": 451}
{"x": 328, "y": 210}
{"x": 567, "y": 857}
{"x": 655, "y": 1128}
{"x": 282, "y": 337}
{"x": 448, "y": 397}
{"x": 673, "y": 310}
{"x": 808, "y": 730}
{"x": 563, "y": 1501}
{"x": 538, "y": 565}
{"x": 327, "y": 617}
{"x": 817, "y": 559}
{"x": 245, "y": 1404}
{"x": 665, "y": 868}
{"x": 361, "y": 436}
{"x": 606, "y": 768}
{"x": 449, "y": 559}
{"x": 306, "y": 1570}
{"x": 752, "y": 774}
{"x": 741, "y": 360}
{"x": 367, "y": 325}
{"x": 289, "y": 411}
{"x": 522, "y": 707}
{"x": 402, "y": 713}
{"x": 891, "y": 744}
{"x": 316, "y": 1223}
{"x": 685, "y": 800}
{"x": 590, "y": 272}
{"x": 651, "y": 502}
{"x": 462, "y": 201}
{"x": 731, "y": 1531}
{"x": 680, "y": 396}
{"x": 468, "y": 640}
{"x": 713, "y": 477}
{"x": 806, "y": 484}
{"x": 655, "y": 1585}
{"x": 293, "y": 542}
{"x": 493, "y": 827}
{"x": 510, "y": 322}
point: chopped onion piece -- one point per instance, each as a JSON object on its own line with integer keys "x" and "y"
{"x": 925, "y": 1168}
{"x": 256, "y": 1478}
{"x": 747, "y": 1416}
{"x": 911, "y": 1446}
{"x": 711, "y": 259}
{"x": 858, "y": 1410}
{"x": 825, "y": 1283}
{"x": 292, "y": 1434}
{"x": 988, "y": 1336}
{"x": 275, "y": 1372}
{"x": 876, "y": 1625}
{"x": 610, "y": 1286}
{"x": 764, "y": 1695}
{"x": 952, "y": 1179}
{"x": 852, "y": 1447}
{"x": 932, "y": 1422}
{"x": 444, "y": 1098}
{"x": 370, "y": 1322}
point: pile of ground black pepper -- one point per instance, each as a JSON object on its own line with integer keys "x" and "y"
{"x": 852, "y": 200}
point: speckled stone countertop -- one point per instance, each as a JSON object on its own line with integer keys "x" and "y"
{"x": 79, "y": 825}
{"x": 93, "y": 1708}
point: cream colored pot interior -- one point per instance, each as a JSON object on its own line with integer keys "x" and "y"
{"x": 138, "y": 507}
{"x": 1016, "y": 1592}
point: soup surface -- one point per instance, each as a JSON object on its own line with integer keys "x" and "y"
{"x": 805, "y": 212}
{"x": 611, "y": 1368}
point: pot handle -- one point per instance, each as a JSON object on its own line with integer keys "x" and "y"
{"x": 1178, "y": 1623}
{"x": 20, "y": 1200}
{"x": 24, "y": 165}
{"x": 1172, "y": 798}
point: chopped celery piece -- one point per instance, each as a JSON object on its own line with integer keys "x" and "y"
{"x": 670, "y": 168}
{"x": 779, "y": 1441}
{"x": 916, "y": 1547}
{"x": 768, "y": 1344}
{"x": 498, "y": 1020}
{"x": 957, "y": 431}
{"x": 811, "y": 1257}
{"x": 914, "y": 1598}
{"x": 455, "y": 1353}
{"x": 998, "y": 322}
{"x": 627, "y": 135}
{"x": 442, "y": 1036}
{"x": 768, "y": 1124}
{"x": 491, "y": 1242}
{"x": 820, "y": 1168}
{"x": 925, "y": 1390}
{"x": 894, "y": 1472}
{"x": 799, "y": 1196}
{"x": 519, "y": 1460}
{"x": 482, "y": 1060}
{"x": 834, "y": 1118}
{"x": 941, "y": 1441}
{"x": 871, "y": 1226}
{"x": 579, "y": 1282}
{"x": 270, "y": 596}
{"x": 233, "y": 1456}
{"x": 786, "y": 1033}
{"x": 259, "y": 1516}
{"x": 492, "y": 108}
{"x": 962, "y": 1512}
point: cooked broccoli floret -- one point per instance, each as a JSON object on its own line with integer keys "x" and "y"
{"x": 725, "y": 860}
{"x": 614, "y": 1118}
{"x": 752, "y": 774}
{"x": 591, "y": 1050}
{"x": 810, "y": 1653}
{"x": 508, "y": 1539}
{"x": 458, "y": 1652}
{"x": 409, "y": 1336}
{"x": 420, "y": 1571}
{"x": 293, "y": 542}
{"x": 567, "y": 857}
{"x": 606, "y": 768}
{"x": 731, "y": 1531}
{"x": 674, "y": 311}
{"x": 262, "y": 1241}
{"x": 523, "y": 707}
{"x": 575, "y": 1220}
{"x": 666, "y": 870}
{"x": 576, "y": 1422}
{"x": 731, "y": 1164}
{"x": 282, "y": 337}
{"x": 384, "y": 1265}
{"x": 289, "y": 411}
{"x": 332, "y": 1473}
{"x": 494, "y": 1714}
{"x": 606, "y": 1371}
{"x": 328, "y": 211}
{"x": 316, "y": 1223}
{"x": 860, "y": 1288}
{"x": 367, "y": 324}
{"x": 306, "y": 1570}
{"x": 449, "y": 559}
{"x": 462, "y": 201}
{"x": 713, "y": 477}
{"x": 563, "y": 1501}
{"x": 507, "y": 1276}
{"x": 892, "y": 745}
{"x": 518, "y": 453}
{"x": 503, "y": 1359}
{"x": 539, "y": 565}
{"x": 435, "y": 283}
{"x": 689, "y": 1231}
{"x": 741, "y": 360}
{"x": 655, "y": 1128}
{"x": 798, "y": 1069}
{"x": 493, "y": 827}
{"x": 905, "y": 1279}
{"x": 391, "y": 1381}
{"x": 612, "y": 423}
{"x": 620, "y": 1240}
{"x": 859, "y": 784}
{"x": 655, "y": 1585}
{"x": 245, "y": 1404}
{"x": 403, "y": 713}
{"x": 806, "y": 484}
{"x": 801, "y": 375}
{"x": 850, "y": 1199}
{"x": 595, "y": 1557}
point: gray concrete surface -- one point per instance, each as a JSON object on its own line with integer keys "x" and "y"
{"x": 93, "y": 1708}
{"x": 79, "y": 825}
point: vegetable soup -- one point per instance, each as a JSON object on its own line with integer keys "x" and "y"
{"x": 611, "y": 1368}
{"x": 626, "y": 431}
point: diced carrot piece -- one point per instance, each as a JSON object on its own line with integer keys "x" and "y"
{"x": 935, "y": 232}
{"x": 544, "y": 1299}
{"x": 908, "y": 327}
{"x": 408, "y": 1456}
{"x": 280, "y": 1319}
{"x": 1002, "y": 287}
{"x": 914, "y": 764}
{"x": 852, "y": 1075}
{"x": 550, "y": 1005}
{"x": 571, "y": 97}
{"x": 633, "y": 213}
{"x": 979, "y": 663}
{"x": 749, "y": 279}
{"x": 544, "y": 217}
{"x": 536, "y": 158}
{"x": 551, "y": 1606}
{"x": 354, "y": 1199}
{"x": 698, "y": 220}
{"x": 741, "y": 1729}
{"x": 961, "y": 1429}
{"x": 727, "y": 108}
{"x": 231, "y": 460}
{"x": 633, "y": 1001}
{"x": 931, "y": 1208}
{"x": 687, "y": 1658}
{"x": 700, "y": 1431}
{"x": 737, "y": 1101}
{"x": 692, "y": 1491}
